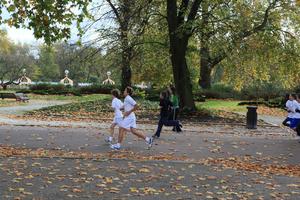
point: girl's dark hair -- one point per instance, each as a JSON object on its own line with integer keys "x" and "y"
{"x": 294, "y": 96}
{"x": 164, "y": 94}
{"x": 129, "y": 90}
{"x": 168, "y": 93}
{"x": 173, "y": 89}
{"x": 286, "y": 98}
{"x": 116, "y": 93}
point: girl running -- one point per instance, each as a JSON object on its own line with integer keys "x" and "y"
{"x": 165, "y": 105}
{"x": 116, "y": 105}
{"x": 128, "y": 124}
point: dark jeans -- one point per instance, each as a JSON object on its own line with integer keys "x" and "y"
{"x": 298, "y": 129}
{"x": 173, "y": 115}
{"x": 164, "y": 121}
{"x": 285, "y": 121}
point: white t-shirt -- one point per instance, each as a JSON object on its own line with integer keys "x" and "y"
{"x": 117, "y": 104}
{"x": 290, "y": 105}
{"x": 129, "y": 104}
{"x": 297, "y": 115}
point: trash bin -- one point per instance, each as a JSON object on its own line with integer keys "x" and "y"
{"x": 251, "y": 117}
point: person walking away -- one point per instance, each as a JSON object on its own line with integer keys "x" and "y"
{"x": 289, "y": 106}
{"x": 297, "y": 116}
{"x": 128, "y": 124}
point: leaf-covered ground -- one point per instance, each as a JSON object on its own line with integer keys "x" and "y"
{"x": 99, "y": 110}
{"x": 218, "y": 162}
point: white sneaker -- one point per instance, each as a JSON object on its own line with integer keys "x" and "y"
{"x": 150, "y": 142}
{"x": 108, "y": 140}
{"x": 115, "y": 147}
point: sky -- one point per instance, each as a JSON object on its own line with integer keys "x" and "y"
{"x": 20, "y": 35}
{"x": 26, "y": 36}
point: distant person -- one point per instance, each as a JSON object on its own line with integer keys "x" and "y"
{"x": 164, "y": 120}
{"x": 128, "y": 124}
{"x": 290, "y": 108}
{"x": 297, "y": 129}
{"x": 175, "y": 102}
{"x": 296, "y": 115}
{"x": 116, "y": 105}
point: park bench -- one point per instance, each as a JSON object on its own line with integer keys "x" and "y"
{"x": 17, "y": 96}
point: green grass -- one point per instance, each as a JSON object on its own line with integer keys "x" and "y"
{"x": 224, "y": 105}
{"x": 10, "y": 102}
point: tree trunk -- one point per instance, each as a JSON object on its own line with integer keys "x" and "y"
{"x": 181, "y": 73}
{"x": 178, "y": 47}
{"x": 126, "y": 71}
{"x": 205, "y": 59}
{"x": 182, "y": 80}
{"x": 126, "y": 59}
{"x": 205, "y": 69}
{"x": 4, "y": 86}
{"x": 125, "y": 15}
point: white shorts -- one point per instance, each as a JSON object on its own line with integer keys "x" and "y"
{"x": 117, "y": 120}
{"x": 128, "y": 122}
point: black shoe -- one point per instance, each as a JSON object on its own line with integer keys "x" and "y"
{"x": 178, "y": 129}
{"x": 155, "y": 136}
{"x": 174, "y": 129}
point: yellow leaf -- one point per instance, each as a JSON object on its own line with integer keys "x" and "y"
{"x": 144, "y": 170}
{"x": 134, "y": 190}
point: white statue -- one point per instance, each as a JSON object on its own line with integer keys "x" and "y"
{"x": 108, "y": 81}
{"x": 24, "y": 80}
{"x": 66, "y": 80}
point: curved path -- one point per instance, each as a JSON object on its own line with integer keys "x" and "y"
{"x": 31, "y": 105}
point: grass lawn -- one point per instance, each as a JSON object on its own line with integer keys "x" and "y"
{"x": 215, "y": 105}
{"x": 10, "y": 102}
{"x": 224, "y": 105}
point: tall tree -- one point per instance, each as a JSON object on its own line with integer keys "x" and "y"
{"x": 13, "y": 59}
{"x": 226, "y": 25}
{"x": 129, "y": 19}
{"x": 48, "y": 66}
{"x": 51, "y": 19}
{"x": 180, "y": 25}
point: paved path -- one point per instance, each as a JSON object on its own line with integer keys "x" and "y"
{"x": 31, "y": 105}
{"x": 273, "y": 120}
{"x": 70, "y": 160}
{"x": 219, "y": 162}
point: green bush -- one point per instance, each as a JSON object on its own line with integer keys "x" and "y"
{"x": 152, "y": 94}
{"x": 139, "y": 93}
{"x": 217, "y": 91}
{"x": 50, "y": 89}
{"x": 297, "y": 89}
{"x": 97, "y": 89}
{"x": 265, "y": 91}
{"x": 46, "y": 86}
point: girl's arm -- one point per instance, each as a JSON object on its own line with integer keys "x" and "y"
{"x": 135, "y": 107}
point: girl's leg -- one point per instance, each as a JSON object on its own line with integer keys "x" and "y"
{"x": 122, "y": 133}
{"x": 137, "y": 133}
{"x": 112, "y": 129}
{"x": 159, "y": 127}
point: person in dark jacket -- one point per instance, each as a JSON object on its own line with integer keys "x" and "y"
{"x": 165, "y": 106}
